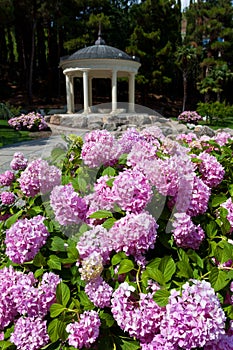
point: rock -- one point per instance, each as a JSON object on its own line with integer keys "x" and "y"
{"x": 203, "y": 130}
{"x": 55, "y": 119}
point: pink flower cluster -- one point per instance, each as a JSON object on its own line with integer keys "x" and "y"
{"x": 7, "y": 178}
{"x": 99, "y": 292}
{"x": 100, "y": 148}
{"x": 7, "y": 198}
{"x": 131, "y": 191}
{"x": 68, "y": 206}
{"x": 186, "y": 234}
{"x": 134, "y": 234}
{"x": 212, "y": 172}
{"x": 31, "y": 121}
{"x": 19, "y": 162}
{"x": 84, "y": 332}
{"x": 189, "y": 117}
{"x": 22, "y": 297}
{"x": 194, "y": 317}
{"x": 141, "y": 317}
{"x": 39, "y": 177}
{"x": 25, "y": 238}
{"x": 30, "y": 333}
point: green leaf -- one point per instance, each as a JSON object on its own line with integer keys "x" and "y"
{"x": 161, "y": 297}
{"x": 195, "y": 258}
{"x": 129, "y": 345}
{"x": 54, "y": 262}
{"x": 109, "y": 223}
{"x": 6, "y": 344}
{"x": 106, "y": 319}
{"x": 82, "y": 184}
{"x": 185, "y": 269}
{"x": 56, "y": 309}
{"x": 63, "y": 294}
{"x": 218, "y": 279}
{"x": 168, "y": 267}
{"x": 211, "y": 229}
{"x": 57, "y": 330}
{"x": 85, "y": 301}
{"x": 58, "y": 244}
{"x": 117, "y": 258}
{"x": 13, "y": 218}
{"x": 156, "y": 275}
{"x": 38, "y": 273}
{"x": 101, "y": 214}
{"x": 218, "y": 199}
{"x": 39, "y": 260}
{"x": 109, "y": 171}
{"x": 229, "y": 311}
{"x": 123, "y": 158}
{"x": 126, "y": 265}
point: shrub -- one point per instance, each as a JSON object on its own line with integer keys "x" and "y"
{"x": 189, "y": 117}
{"x": 31, "y": 121}
{"x": 216, "y": 113}
{"x": 8, "y": 111}
{"x": 137, "y": 255}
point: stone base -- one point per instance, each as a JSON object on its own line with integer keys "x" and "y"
{"x": 115, "y": 122}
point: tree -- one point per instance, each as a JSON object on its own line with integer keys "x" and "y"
{"x": 210, "y": 26}
{"x": 185, "y": 60}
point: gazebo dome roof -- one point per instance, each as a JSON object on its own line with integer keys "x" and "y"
{"x": 99, "y": 51}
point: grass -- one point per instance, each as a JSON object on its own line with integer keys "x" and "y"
{"x": 9, "y": 136}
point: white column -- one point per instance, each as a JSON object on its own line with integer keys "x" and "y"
{"x": 72, "y": 94}
{"x": 90, "y": 91}
{"x": 68, "y": 94}
{"x": 114, "y": 90}
{"x": 85, "y": 91}
{"x": 131, "y": 92}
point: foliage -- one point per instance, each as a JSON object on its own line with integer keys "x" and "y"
{"x": 140, "y": 250}
{"x": 216, "y": 113}
{"x": 7, "y": 111}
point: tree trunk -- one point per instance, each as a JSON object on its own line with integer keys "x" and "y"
{"x": 185, "y": 84}
{"x": 31, "y": 62}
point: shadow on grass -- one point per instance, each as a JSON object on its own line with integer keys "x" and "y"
{"x": 9, "y": 136}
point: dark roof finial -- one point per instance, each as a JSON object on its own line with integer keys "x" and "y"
{"x": 100, "y": 41}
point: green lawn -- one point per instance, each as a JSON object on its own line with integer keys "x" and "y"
{"x": 9, "y": 136}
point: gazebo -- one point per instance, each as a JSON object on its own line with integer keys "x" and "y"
{"x": 99, "y": 61}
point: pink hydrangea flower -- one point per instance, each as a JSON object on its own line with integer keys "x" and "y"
{"x": 7, "y": 178}
{"x": 25, "y": 238}
{"x": 95, "y": 240}
{"x": 222, "y": 138}
{"x": 212, "y": 172}
{"x": 99, "y": 292}
{"x": 30, "y": 333}
{"x": 131, "y": 190}
{"x": 185, "y": 233}
{"x": 68, "y": 206}
{"x": 19, "y": 162}
{"x": 134, "y": 234}
{"x": 100, "y": 148}
{"x": 193, "y": 317}
{"x": 224, "y": 342}
{"x": 39, "y": 177}
{"x": 7, "y": 198}
{"x": 139, "y": 317}
{"x": 85, "y": 332}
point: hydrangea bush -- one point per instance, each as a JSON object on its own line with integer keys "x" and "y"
{"x": 32, "y": 121}
{"x": 189, "y": 117}
{"x": 119, "y": 243}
